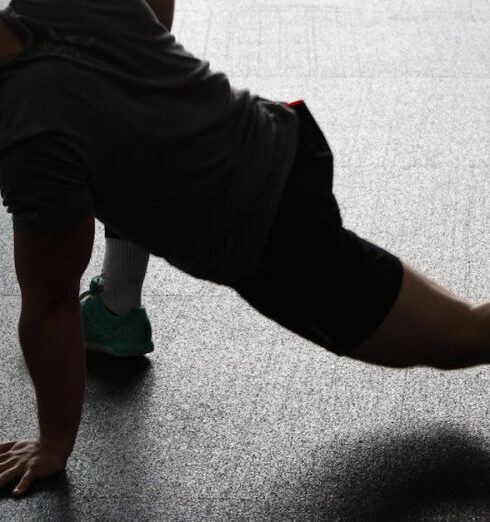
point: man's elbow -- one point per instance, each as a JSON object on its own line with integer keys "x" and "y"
{"x": 164, "y": 10}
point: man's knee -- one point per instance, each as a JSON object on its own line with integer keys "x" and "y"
{"x": 467, "y": 344}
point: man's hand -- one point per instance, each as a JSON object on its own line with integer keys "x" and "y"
{"x": 30, "y": 460}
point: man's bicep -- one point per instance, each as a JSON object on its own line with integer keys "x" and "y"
{"x": 49, "y": 267}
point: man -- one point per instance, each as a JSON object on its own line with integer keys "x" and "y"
{"x": 105, "y": 115}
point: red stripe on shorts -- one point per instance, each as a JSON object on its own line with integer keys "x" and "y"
{"x": 297, "y": 102}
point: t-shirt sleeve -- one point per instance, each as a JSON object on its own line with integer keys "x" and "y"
{"x": 44, "y": 186}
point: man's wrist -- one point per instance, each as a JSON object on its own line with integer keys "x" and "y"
{"x": 62, "y": 449}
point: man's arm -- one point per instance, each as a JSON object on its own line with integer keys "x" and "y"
{"x": 50, "y": 328}
{"x": 164, "y": 10}
{"x": 54, "y": 352}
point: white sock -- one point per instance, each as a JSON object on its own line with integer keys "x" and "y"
{"x": 123, "y": 275}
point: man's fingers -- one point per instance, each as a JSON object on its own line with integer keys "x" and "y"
{"x": 8, "y": 476}
{"x": 24, "y": 483}
{"x": 6, "y": 464}
{"x": 5, "y": 446}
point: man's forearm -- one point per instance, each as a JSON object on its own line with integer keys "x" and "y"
{"x": 54, "y": 352}
{"x": 164, "y": 10}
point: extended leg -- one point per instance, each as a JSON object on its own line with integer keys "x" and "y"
{"x": 429, "y": 326}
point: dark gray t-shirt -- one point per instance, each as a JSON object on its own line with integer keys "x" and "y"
{"x": 104, "y": 110}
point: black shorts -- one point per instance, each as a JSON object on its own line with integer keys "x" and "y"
{"x": 316, "y": 278}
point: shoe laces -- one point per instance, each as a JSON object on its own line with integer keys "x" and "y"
{"x": 96, "y": 287}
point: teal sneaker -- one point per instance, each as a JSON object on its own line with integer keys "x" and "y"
{"x": 124, "y": 336}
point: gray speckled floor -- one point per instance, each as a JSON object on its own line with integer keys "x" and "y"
{"x": 235, "y": 418}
